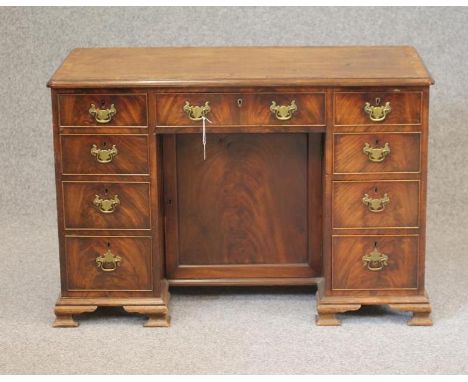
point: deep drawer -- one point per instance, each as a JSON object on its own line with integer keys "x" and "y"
{"x": 241, "y": 109}
{"x": 106, "y": 205}
{"x": 374, "y": 153}
{"x": 375, "y": 262}
{"x": 109, "y": 110}
{"x": 108, "y": 263}
{"x": 350, "y": 108}
{"x": 378, "y": 204}
{"x": 104, "y": 154}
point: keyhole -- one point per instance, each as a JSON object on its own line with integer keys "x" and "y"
{"x": 106, "y": 191}
{"x": 375, "y": 189}
{"x": 377, "y": 101}
{"x": 375, "y": 244}
{"x": 104, "y": 144}
{"x": 239, "y": 102}
{"x": 169, "y": 202}
{"x": 103, "y": 104}
{"x": 108, "y": 244}
{"x": 376, "y": 141}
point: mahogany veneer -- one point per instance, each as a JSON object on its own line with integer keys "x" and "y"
{"x": 134, "y": 271}
{"x": 406, "y": 107}
{"x": 132, "y": 109}
{"x": 131, "y": 157}
{"x": 315, "y": 173}
{"x": 405, "y": 154}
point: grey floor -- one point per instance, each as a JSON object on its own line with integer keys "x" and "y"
{"x": 225, "y": 330}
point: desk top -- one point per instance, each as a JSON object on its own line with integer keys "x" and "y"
{"x": 242, "y": 66}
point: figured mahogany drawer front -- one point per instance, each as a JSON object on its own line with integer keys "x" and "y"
{"x": 378, "y": 204}
{"x": 283, "y": 109}
{"x": 108, "y": 263}
{"x": 106, "y": 205}
{"x": 241, "y": 109}
{"x": 375, "y": 262}
{"x": 356, "y": 108}
{"x": 380, "y": 152}
{"x": 104, "y": 154}
{"x": 220, "y": 109}
{"x": 101, "y": 110}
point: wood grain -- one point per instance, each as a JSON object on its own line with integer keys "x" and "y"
{"x": 349, "y": 158}
{"x": 80, "y": 212}
{"x": 349, "y": 107}
{"x": 255, "y": 109}
{"x": 240, "y": 109}
{"x": 350, "y": 273}
{"x": 132, "y": 157}
{"x": 242, "y": 66}
{"x": 131, "y": 109}
{"x": 224, "y": 109}
{"x": 350, "y": 212}
{"x": 246, "y": 205}
{"x": 134, "y": 272}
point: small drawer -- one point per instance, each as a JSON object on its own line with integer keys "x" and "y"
{"x": 283, "y": 109}
{"x": 375, "y": 262}
{"x": 378, "y": 204}
{"x": 104, "y": 154}
{"x": 356, "y": 108}
{"x": 101, "y": 110}
{"x": 106, "y": 205}
{"x": 108, "y": 263}
{"x": 188, "y": 109}
{"x": 376, "y": 153}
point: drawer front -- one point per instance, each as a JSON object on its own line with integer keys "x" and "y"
{"x": 104, "y": 154}
{"x": 108, "y": 263}
{"x": 379, "y": 204}
{"x": 374, "y": 153}
{"x": 128, "y": 110}
{"x": 283, "y": 109}
{"x": 223, "y": 109}
{"x": 106, "y": 205}
{"x": 240, "y": 109}
{"x": 375, "y": 262}
{"x": 350, "y": 108}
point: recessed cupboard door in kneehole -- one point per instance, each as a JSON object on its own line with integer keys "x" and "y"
{"x": 252, "y": 209}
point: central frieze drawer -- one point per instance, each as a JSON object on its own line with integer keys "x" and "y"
{"x": 376, "y": 153}
{"x": 104, "y": 154}
{"x": 375, "y": 262}
{"x": 106, "y": 205}
{"x": 241, "y": 109}
{"x": 101, "y": 110}
{"x": 377, "y": 204}
{"x": 108, "y": 263}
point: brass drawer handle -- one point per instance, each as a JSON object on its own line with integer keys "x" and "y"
{"x": 375, "y": 260}
{"x": 102, "y": 115}
{"x": 376, "y": 205}
{"x": 108, "y": 262}
{"x": 377, "y": 112}
{"x": 104, "y": 155}
{"x": 283, "y": 112}
{"x": 196, "y": 113}
{"x": 106, "y": 206}
{"x": 376, "y": 154}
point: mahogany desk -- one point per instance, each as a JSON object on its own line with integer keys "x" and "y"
{"x": 315, "y": 173}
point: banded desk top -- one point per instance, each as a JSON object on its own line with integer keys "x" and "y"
{"x": 242, "y": 66}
